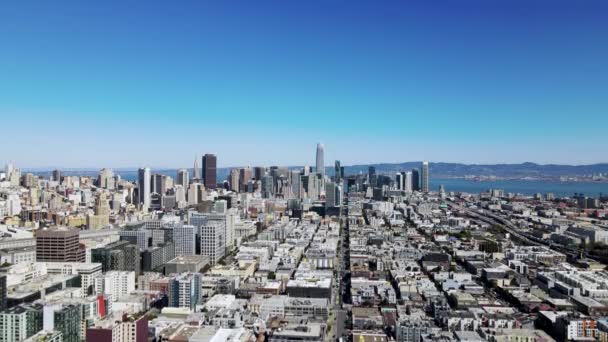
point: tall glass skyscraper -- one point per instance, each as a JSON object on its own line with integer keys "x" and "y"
{"x": 425, "y": 176}
{"x": 144, "y": 186}
{"x": 210, "y": 171}
{"x": 320, "y": 159}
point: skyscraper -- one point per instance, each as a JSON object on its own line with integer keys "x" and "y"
{"x": 244, "y": 177}
{"x": 407, "y": 182}
{"x": 320, "y": 159}
{"x": 258, "y": 172}
{"x": 210, "y": 171}
{"x": 234, "y": 180}
{"x": 57, "y": 175}
{"x": 144, "y": 186}
{"x": 425, "y": 177}
{"x": 183, "y": 178}
{"x": 197, "y": 175}
{"x": 399, "y": 181}
{"x": 337, "y": 171}
{"x": 371, "y": 176}
{"x": 415, "y": 180}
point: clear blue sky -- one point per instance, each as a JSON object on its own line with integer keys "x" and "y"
{"x": 121, "y": 83}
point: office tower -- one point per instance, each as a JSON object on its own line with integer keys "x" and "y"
{"x": 197, "y": 176}
{"x": 415, "y": 180}
{"x": 267, "y": 186}
{"x": 407, "y": 182}
{"x": 157, "y": 184}
{"x": 210, "y": 171}
{"x": 296, "y": 183}
{"x": 337, "y": 171}
{"x": 258, "y": 172}
{"x": 115, "y": 284}
{"x": 184, "y": 237}
{"x": 320, "y": 159}
{"x": 3, "y": 292}
{"x": 184, "y": 290}
{"x": 371, "y": 176}
{"x": 118, "y": 256}
{"x": 306, "y": 170}
{"x": 102, "y": 213}
{"x": 425, "y": 177}
{"x": 399, "y": 181}
{"x": 57, "y": 175}
{"x": 106, "y": 179}
{"x": 213, "y": 241}
{"x": 333, "y": 194}
{"x": 244, "y": 178}
{"x": 234, "y": 180}
{"x": 144, "y": 187}
{"x": 59, "y": 245}
{"x": 142, "y": 238}
{"x": 183, "y": 178}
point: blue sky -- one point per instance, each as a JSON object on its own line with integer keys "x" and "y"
{"x": 122, "y": 83}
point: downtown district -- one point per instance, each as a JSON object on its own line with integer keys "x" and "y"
{"x": 284, "y": 254}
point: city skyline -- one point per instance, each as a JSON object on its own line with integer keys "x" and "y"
{"x": 473, "y": 82}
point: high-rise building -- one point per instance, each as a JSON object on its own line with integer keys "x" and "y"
{"x": 196, "y": 173}
{"x": 399, "y": 180}
{"x": 210, "y": 171}
{"x": 184, "y": 237}
{"x": 184, "y": 290}
{"x": 244, "y": 178}
{"x": 234, "y": 180}
{"x": 14, "y": 324}
{"x": 183, "y": 178}
{"x": 118, "y": 256}
{"x": 258, "y": 172}
{"x": 415, "y": 180}
{"x": 102, "y": 213}
{"x": 144, "y": 187}
{"x": 425, "y": 177}
{"x": 407, "y": 182}
{"x": 320, "y": 159}
{"x": 115, "y": 284}
{"x": 106, "y": 179}
{"x": 371, "y": 176}
{"x": 333, "y": 194}
{"x": 142, "y": 238}
{"x": 337, "y": 171}
{"x": 59, "y": 245}
{"x": 267, "y": 186}
{"x": 296, "y": 183}
{"x": 213, "y": 241}
{"x": 57, "y": 175}
{"x": 65, "y": 319}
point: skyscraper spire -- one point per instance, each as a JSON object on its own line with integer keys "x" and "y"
{"x": 196, "y": 169}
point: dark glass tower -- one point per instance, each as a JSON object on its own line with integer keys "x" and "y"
{"x": 210, "y": 171}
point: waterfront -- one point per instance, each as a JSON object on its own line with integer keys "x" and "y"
{"x": 560, "y": 189}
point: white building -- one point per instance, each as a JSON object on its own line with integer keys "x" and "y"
{"x": 213, "y": 241}
{"x": 115, "y": 284}
{"x": 184, "y": 237}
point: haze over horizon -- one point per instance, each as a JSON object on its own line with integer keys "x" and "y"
{"x": 123, "y": 85}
